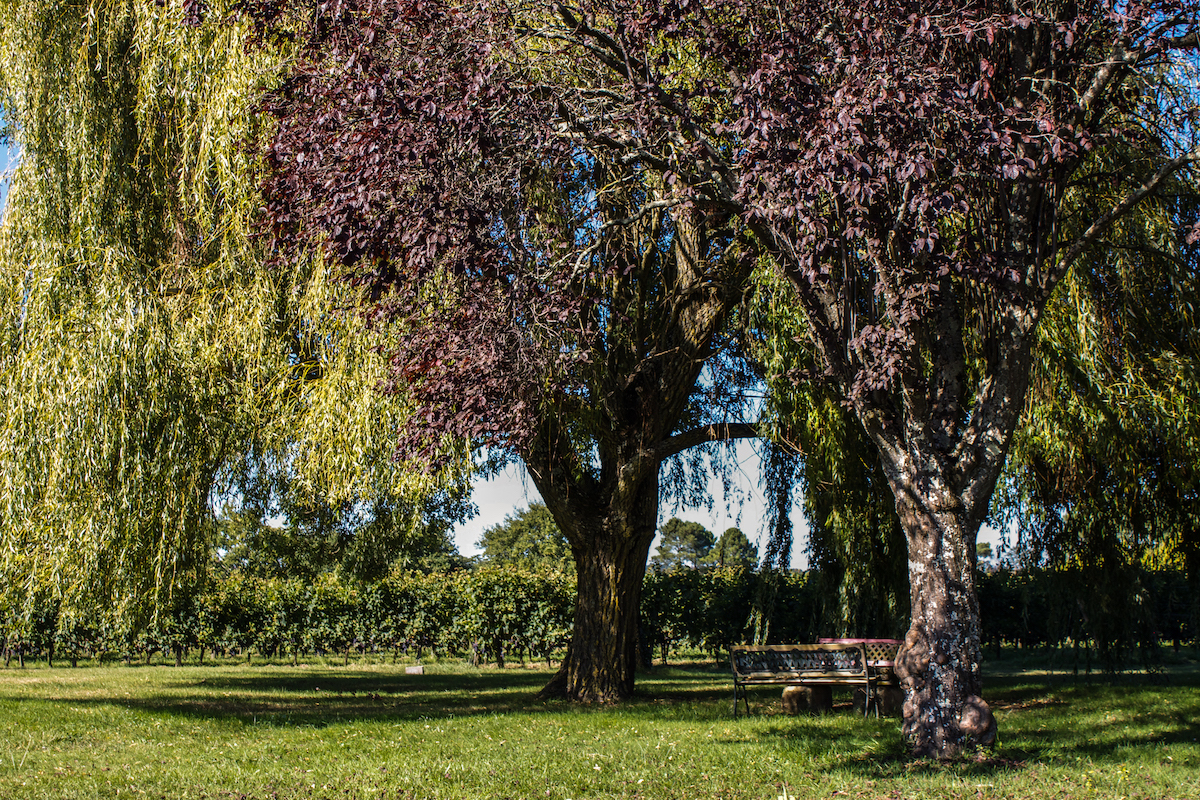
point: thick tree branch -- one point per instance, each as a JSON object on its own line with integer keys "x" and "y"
{"x": 1120, "y": 59}
{"x": 1190, "y": 40}
{"x": 643, "y": 211}
{"x": 722, "y": 432}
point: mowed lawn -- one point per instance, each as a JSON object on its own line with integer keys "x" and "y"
{"x": 371, "y": 731}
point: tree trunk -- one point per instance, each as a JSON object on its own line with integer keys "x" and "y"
{"x": 601, "y": 660}
{"x": 610, "y": 562}
{"x": 939, "y": 663}
{"x": 498, "y": 652}
{"x": 943, "y": 472}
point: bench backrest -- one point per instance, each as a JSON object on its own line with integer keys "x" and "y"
{"x": 880, "y": 652}
{"x": 785, "y": 659}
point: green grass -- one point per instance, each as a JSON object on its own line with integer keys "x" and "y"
{"x": 370, "y": 731}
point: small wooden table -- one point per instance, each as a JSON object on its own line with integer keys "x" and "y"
{"x": 881, "y": 657}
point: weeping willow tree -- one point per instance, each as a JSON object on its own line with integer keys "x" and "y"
{"x": 152, "y": 364}
{"x": 1102, "y": 480}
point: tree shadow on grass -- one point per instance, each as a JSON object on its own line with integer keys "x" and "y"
{"x": 1040, "y": 720}
{"x": 1046, "y": 721}
{"x": 290, "y": 697}
{"x": 317, "y": 698}
{"x": 1103, "y": 742}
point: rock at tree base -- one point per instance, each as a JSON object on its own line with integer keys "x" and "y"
{"x": 891, "y": 701}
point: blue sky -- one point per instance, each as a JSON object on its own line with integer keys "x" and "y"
{"x": 5, "y": 162}
{"x": 512, "y": 491}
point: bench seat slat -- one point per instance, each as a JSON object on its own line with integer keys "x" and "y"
{"x": 779, "y": 677}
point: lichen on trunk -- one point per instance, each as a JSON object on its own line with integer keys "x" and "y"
{"x": 939, "y": 664}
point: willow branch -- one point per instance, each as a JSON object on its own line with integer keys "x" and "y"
{"x": 1120, "y": 209}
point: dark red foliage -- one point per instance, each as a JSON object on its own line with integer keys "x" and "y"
{"x": 194, "y": 11}
{"x": 864, "y": 142}
{"x": 861, "y": 141}
{"x": 405, "y": 153}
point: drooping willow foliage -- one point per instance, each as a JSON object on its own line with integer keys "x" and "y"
{"x": 855, "y": 547}
{"x": 1103, "y": 481}
{"x": 152, "y": 364}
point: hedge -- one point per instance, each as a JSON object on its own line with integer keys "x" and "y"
{"x": 494, "y": 614}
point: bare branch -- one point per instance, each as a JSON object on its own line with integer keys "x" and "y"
{"x": 1119, "y": 59}
{"x": 1188, "y": 41}
{"x": 646, "y": 209}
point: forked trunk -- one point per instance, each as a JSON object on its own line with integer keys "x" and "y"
{"x": 939, "y": 663}
{"x": 943, "y": 474}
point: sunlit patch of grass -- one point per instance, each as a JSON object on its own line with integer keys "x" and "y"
{"x": 371, "y": 731}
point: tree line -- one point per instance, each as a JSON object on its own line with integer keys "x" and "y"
{"x": 496, "y": 614}
{"x": 531, "y": 539}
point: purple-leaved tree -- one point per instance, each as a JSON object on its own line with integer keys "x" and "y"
{"x": 908, "y": 167}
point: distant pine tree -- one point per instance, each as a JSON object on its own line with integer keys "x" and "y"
{"x": 683, "y": 544}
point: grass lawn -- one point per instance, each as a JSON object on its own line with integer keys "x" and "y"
{"x": 370, "y": 731}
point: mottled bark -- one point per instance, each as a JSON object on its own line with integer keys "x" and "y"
{"x": 939, "y": 663}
